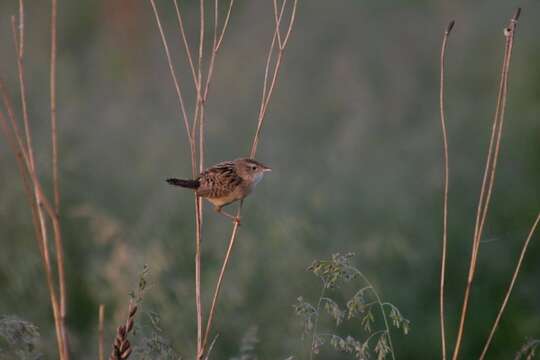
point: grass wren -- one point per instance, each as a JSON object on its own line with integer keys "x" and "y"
{"x": 226, "y": 182}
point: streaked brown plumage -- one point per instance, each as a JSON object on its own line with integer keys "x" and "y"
{"x": 226, "y": 182}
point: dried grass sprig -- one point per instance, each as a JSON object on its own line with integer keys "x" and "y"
{"x": 121, "y": 346}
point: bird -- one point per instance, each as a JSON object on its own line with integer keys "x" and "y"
{"x": 225, "y": 183}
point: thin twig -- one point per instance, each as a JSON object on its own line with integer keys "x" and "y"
{"x": 220, "y": 280}
{"x": 198, "y": 206}
{"x": 53, "y": 109}
{"x": 445, "y": 193}
{"x": 489, "y": 173}
{"x": 510, "y": 287}
{"x": 184, "y": 40}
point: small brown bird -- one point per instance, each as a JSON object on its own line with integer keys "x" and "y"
{"x": 226, "y": 182}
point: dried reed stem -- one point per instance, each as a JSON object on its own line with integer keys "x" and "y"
{"x": 101, "y": 320}
{"x": 489, "y": 172}
{"x": 510, "y": 287}
{"x": 445, "y": 193}
{"x": 121, "y": 346}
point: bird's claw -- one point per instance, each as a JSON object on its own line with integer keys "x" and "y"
{"x": 237, "y": 221}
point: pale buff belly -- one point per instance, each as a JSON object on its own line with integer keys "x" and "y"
{"x": 238, "y": 194}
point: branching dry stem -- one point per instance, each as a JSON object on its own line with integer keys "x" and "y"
{"x": 202, "y": 80}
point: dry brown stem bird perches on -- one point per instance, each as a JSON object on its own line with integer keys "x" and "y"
{"x": 226, "y": 182}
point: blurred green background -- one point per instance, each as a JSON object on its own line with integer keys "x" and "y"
{"x": 353, "y": 137}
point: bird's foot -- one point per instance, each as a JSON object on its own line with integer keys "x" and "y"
{"x": 237, "y": 221}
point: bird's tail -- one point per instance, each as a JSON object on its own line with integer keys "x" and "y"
{"x": 190, "y": 184}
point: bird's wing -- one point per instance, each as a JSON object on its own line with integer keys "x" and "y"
{"x": 219, "y": 180}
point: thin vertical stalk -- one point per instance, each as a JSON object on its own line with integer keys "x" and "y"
{"x": 53, "y": 109}
{"x": 198, "y": 206}
{"x": 185, "y": 42}
{"x": 489, "y": 173}
{"x": 510, "y": 287}
{"x": 56, "y": 183}
{"x": 219, "y": 281}
{"x": 445, "y": 193}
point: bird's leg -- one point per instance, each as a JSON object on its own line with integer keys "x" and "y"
{"x": 236, "y": 219}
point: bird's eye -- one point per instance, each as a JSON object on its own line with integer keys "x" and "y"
{"x": 253, "y": 167}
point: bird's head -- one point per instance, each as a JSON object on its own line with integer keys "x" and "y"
{"x": 251, "y": 170}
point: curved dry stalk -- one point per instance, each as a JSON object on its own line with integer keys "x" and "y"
{"x": 445, "y": 193}
{"x": 489, "y": 173}
{"x": 510, "y": 287}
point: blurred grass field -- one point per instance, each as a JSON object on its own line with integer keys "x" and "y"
{"x": 352, "y": 135}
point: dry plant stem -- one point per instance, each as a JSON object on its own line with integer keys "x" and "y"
{"x": 445, "y": 193}
{"x": 489, "y": 173}
{"x": 198, "y": 302}
{"x": 199, "y": 123}
{"x": 101, "y": 319}
{"x": 510, "y": 287}
{"x": 36, "y": 201}
{"x": 264, "y": 104}
{"x": 53, "y": 109}
{"x": 220, "y": 279}
{"x": 40, "y": 199}
{"x": 56, "y": 181}
{"x": 198, "y": 205}
{"x": 184, "y": 40}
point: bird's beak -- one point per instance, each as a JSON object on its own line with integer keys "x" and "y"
{"x": 266, "y": 168}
